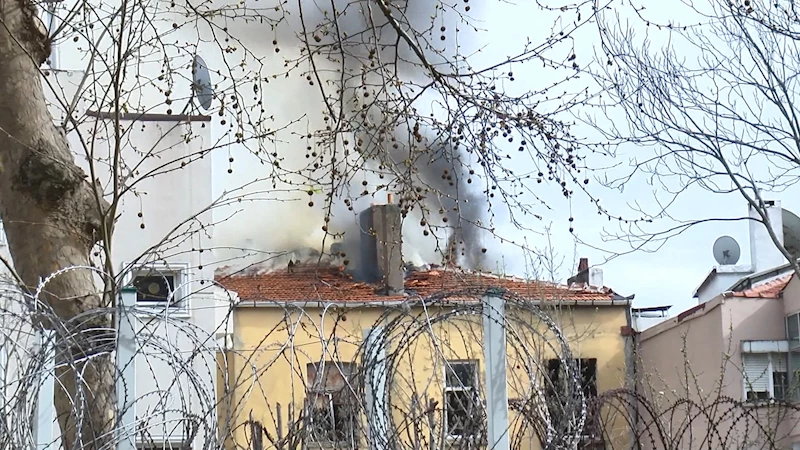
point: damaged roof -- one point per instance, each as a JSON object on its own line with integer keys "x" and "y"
{"x": 320, "y": 283}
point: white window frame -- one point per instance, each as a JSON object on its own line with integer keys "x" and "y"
{"x": 447, "y": 389}
{"x": 181, "y": 299}
{"x": 162, "y": 445}
{"x": 769, "y": 374}
{"x": 48, "y": 13}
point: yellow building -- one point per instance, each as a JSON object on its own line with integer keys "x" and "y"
{"x": 320, "y": 360}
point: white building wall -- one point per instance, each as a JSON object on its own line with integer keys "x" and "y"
{"x": 765, "y": 254}
{"x": 718, "y": 283}
{"x": 176, "y": 374}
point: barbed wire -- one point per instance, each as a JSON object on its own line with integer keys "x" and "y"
{"x": 404, "y": 375}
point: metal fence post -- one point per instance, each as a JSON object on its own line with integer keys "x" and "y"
{"x": 126, "y": 370}
{"x": 45, "y": 408}
{"x": 494, "y": 354}
{"x": 375, "y": 365}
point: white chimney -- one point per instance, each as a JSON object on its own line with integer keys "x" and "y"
{"x": 764, "y": 254}
{"x": 590, "y": 276}
{"x": 595, "y": 277}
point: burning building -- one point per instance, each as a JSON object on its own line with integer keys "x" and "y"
{"x": 304, "y": 352}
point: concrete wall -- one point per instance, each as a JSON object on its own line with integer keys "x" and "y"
{"x": 661, "y": 352}
{"x": 273, "y": 346}
{"x": 749, "y": 319}
{"x": 791, "y": 297}
{"x": 697, "y": 357}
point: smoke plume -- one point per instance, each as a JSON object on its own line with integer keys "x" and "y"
{"x": 313, "y": 182}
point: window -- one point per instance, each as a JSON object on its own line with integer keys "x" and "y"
{"x": 793, "y": 327}
{"x": 162, "y": 446}
{"x": 331, "y": 404}
{"x": 766, "y": 376}
{"x": 157, "y": 285}
{"x": 154, "y": 288}
{"x": 557, "y": 397}
{"x": 461, "y": 397}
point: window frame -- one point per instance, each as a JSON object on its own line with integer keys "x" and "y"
{"x": 796, "y": 317}
{"x": 162, "y": 445}
{"x": 447, "y": 389}
{"x": 770, "y": 374}
{"x": 180, "y": 303}
{"x": 330, "y": 394}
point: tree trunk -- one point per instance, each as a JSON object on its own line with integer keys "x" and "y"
{"x": 52, "y": 218}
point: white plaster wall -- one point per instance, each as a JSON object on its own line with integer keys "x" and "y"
{"x": 173, "y": 207}
{"x": 719, "y": 283}
{"x": 165, "y": 201}
{"x": 764, "y": 252}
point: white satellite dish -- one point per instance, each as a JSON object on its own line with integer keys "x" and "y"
{"x": 791, "y": 232}
{"x": 726, "y": 251}
{"x": 203, "y": 89}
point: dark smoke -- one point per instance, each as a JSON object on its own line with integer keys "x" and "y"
{"x": 444, "y": 170}
{"x": 440, "y": 170}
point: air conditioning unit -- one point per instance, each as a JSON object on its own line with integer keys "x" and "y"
{"x": 155, "y": 288}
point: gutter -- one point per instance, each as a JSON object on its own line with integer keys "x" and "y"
{"x": 622, "y": 301}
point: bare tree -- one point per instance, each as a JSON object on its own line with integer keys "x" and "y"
{"x": 709, "y": 99}
{"x": 53, "y": 215}
{"x": 372, "y": 68}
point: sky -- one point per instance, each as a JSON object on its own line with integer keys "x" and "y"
{"x": 667, "y": 276}
{"x": 664, "y": 277}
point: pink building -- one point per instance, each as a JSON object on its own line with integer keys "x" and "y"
{"x": 733, "y": 359}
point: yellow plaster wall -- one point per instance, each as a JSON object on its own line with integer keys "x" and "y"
{"x": 273, "y": 345}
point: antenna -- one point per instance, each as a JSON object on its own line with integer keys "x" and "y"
{"x": 203, "y": 89}
{"x": 726, "y": 251}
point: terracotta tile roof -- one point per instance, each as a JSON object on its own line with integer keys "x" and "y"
{"x": 332, "y": 284}
{"x": 770, "y": 289}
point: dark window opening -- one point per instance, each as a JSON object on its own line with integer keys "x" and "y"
{"x": 558, "y": 397}
{"x": 780, "y": 384}
{"x": 154, "y": 288}
{"x": 757, "y": 395}
{"x": 462, "y": 412}
{"x": 331, "y": 404}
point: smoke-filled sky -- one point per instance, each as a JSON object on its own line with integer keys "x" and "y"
{"x": 665, "y": 277}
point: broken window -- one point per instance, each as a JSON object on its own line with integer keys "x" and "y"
{"x": 331, "y": 403}
{"x": 558, "y": 398}
{"x": 461, "y": 398}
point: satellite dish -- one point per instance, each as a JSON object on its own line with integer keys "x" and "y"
{"x": 791, "y": 232}
{"x": 203, "y": 90}
{"x": 726, "y": 251}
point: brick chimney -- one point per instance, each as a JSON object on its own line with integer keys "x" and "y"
{"x": 381, "y": 247}
{"x": 590, "y": 276}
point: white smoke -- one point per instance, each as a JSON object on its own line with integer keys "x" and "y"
{"x": 274, "y": 215}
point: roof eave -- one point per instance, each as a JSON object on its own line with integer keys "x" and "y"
{"x": 620, "y": 301}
